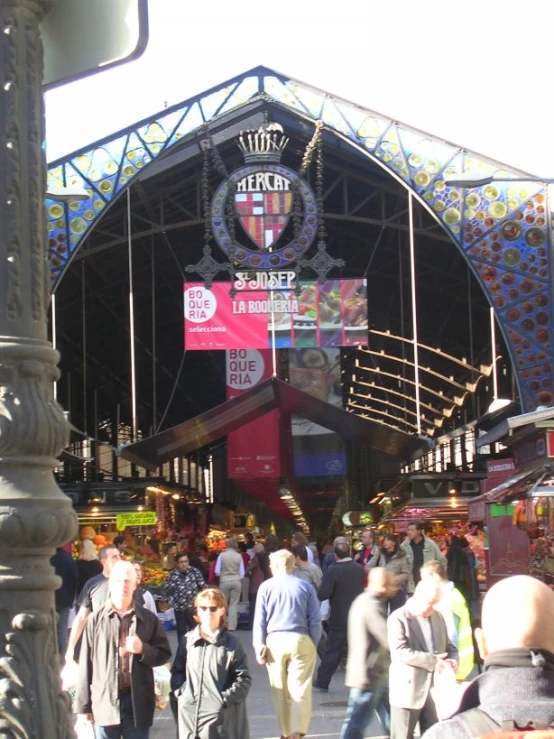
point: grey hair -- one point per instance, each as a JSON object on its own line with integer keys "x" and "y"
{"x": 281, "y": 561}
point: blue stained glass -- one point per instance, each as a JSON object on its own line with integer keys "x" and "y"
{"x": 212, "y": 103}
{"x": 332, "y": 117}
{"x": 371, "y": 130}
{"x": 244, "y": 92}
{"x": 279, "y": 91}
{"x": 191, "y": 121}
{"x": 389, "y": 151}
{"x": 354, "y": 116}
{"x": 311, "y": 100}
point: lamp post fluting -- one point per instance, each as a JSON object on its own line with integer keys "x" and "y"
{"x": 35, "y": 516}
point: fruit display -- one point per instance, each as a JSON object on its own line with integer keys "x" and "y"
{"x": 153, "y": 577}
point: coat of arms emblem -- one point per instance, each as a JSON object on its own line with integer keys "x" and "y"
{"x": 265, "y": 195}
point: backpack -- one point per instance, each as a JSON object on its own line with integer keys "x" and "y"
{"x": 477, "y": 722}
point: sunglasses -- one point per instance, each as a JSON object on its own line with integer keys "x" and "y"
{"x": 212, "y": 609}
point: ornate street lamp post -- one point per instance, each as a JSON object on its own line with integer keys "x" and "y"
{"x": 35, "y": 516}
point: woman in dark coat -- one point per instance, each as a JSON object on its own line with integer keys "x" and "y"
{"x": 211, "y": 703}
{"x": 258, "y": 571}
{"x": 458, "y": 567}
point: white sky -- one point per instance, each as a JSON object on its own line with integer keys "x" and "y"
{"x": 474, "y": 72}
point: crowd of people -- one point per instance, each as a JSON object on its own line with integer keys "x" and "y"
{"x": 394, "y": 609}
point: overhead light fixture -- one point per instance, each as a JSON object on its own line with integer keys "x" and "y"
{"x": 70, "y": 194}
{"x": 497, "y": 404}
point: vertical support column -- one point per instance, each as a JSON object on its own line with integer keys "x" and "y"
{"x": 414, "y": 311}
{"x": 35, "y": 516}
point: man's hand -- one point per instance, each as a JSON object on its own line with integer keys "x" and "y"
{"x": 83, "y": 717}
{"x": 133, "y": 644}
{"x": 453, "y": 664}
{"x": 261, "y": 657}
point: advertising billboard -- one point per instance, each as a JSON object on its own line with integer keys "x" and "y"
{"x": 254, "y": 450}
{"x": 317, "y": 450}
{"x": 267, "y": 311}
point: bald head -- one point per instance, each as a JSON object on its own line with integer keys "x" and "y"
{"x": 382, "y": 582}
{"x": 517, "y": 612}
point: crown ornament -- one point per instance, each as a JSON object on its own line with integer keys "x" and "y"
{"x": 264, "y": 145}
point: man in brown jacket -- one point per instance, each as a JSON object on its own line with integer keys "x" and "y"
{"x": 122, "y": 643}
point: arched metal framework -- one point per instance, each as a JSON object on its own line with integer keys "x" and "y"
{"x": 502, "y": 229}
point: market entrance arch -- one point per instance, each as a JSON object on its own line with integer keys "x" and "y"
{"x": 501, "y": 229}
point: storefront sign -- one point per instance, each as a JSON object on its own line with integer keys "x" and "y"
{"x": 498, "y": 471}
{"x": 329, "y": 314}
{"x": 253, "y": 451}
{"x": 434, "y": 488}
{"x": 141, "y": 518}
{"x": 530, "y": 451}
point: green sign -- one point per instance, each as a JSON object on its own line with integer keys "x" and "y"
{"x": 497, "y": 510}
{"x": 146, "y": 518}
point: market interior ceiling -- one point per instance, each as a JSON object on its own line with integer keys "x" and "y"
{"x": 366, "y": 216}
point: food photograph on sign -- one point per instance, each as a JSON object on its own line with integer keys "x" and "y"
{"x": 267, "y": 310}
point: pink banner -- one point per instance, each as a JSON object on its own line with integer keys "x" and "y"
{"x": 253, "y": 451}
{"x": 264, "y": 314}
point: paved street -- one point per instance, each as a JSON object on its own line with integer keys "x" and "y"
{"x": 328, "y": 708}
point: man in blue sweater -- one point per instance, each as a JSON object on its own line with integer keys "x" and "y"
{"x": 287, "y": 628}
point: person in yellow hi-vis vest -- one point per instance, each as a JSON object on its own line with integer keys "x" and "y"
{"x": 453, "y": 607}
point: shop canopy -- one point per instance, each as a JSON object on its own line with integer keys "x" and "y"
{"x": 267, "y": 396}
{"x": 426, "y": 509}
{"x": 543, "y": 418}
{"x": 538, "y": 481}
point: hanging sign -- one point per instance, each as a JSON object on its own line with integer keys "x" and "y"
{"x": 333, "y": 313}
{"x": 142, "y": 518}
{"x": 264, "y": 194}
{"x": 254, "y": 450}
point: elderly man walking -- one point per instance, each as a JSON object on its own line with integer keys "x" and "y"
{"x": 122, "y": 643}
{"x": 287, "y": 628}
{"x": 419, "y": 648}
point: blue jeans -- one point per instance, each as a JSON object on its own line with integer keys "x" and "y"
{"x": 126, "y": 728}
{"x": 63, "y": 618}
{"x": 361, "y": 704}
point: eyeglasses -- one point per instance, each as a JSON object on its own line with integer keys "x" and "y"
{"x": 212, "y": 609}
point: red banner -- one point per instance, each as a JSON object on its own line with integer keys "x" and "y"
{"x": 261, "y": 315}
{"x": 253, "y": 451}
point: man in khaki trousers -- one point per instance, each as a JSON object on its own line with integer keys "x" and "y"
{"x": 287, "y": 627}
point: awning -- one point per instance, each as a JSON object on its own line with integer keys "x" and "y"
{"x": 269, "y": 395}
{"x": 431, "y": 508}
{"x": 538, "y": 481}
{"x": 540, "y": 418}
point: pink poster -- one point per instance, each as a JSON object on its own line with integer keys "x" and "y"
{"x": 263, "y": 313}
{"x": 253, "y": 451}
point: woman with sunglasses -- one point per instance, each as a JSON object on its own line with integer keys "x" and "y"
{"x": 213, "y": 670}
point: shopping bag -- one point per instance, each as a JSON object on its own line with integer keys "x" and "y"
{"x": 162, "y": 686}
{"x": 68, "y": 676}
{"x": 446, "y": 692}
{"x": 325, "y": 610}
{"x": 84, "y": 729}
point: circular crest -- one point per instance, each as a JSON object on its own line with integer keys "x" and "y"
{"x": 263, "y": 195}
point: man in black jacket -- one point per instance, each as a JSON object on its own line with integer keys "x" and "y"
{"x": 122, "y": 643}
{"x": 341, "y": 583}
{"x": 517, "y": 643}
{"x": 66, "y": 568}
